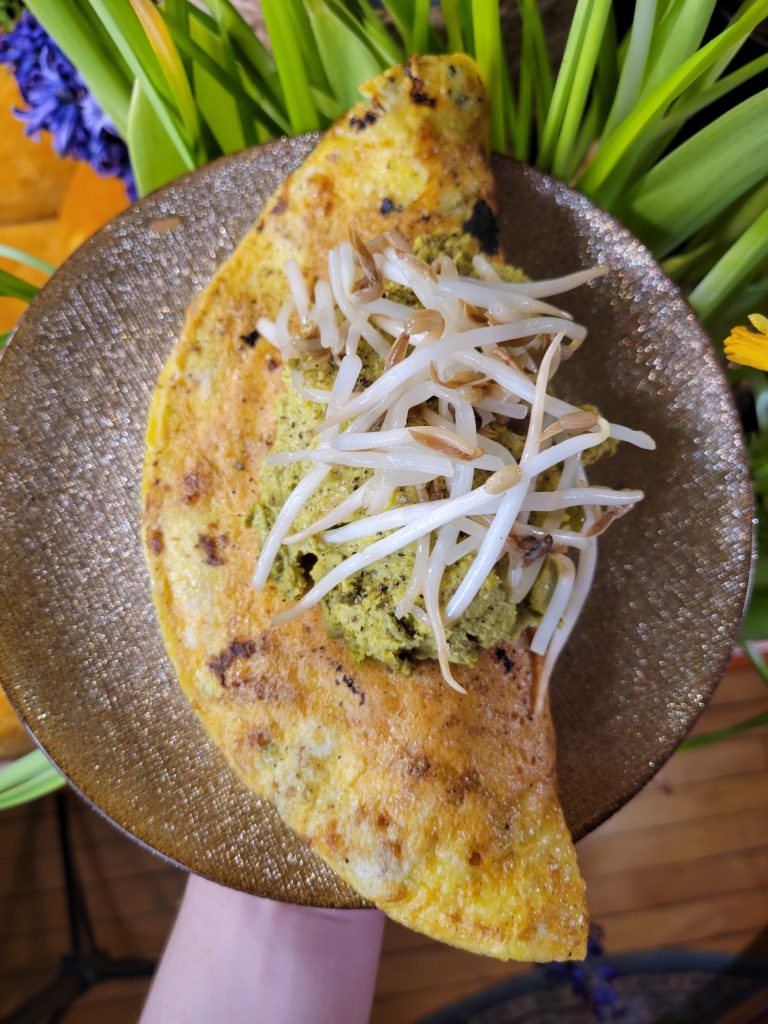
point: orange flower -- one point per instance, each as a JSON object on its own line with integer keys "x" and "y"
{"x": 749, "y": 348}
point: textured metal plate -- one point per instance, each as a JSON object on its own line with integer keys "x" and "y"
{"x": 80, "y": 651}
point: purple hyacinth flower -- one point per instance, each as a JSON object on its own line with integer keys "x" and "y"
{"x": 591, "y": 979}
{"x": 57, "y": 100}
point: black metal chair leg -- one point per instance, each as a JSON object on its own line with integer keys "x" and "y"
{"x": 130, "y": 967}
{"x": 53, "y": 1000}
{"x": 80, "y": 928}
{"x": 84, "y": 965}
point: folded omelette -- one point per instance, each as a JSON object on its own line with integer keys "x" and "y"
{"x": 439, "y": 807}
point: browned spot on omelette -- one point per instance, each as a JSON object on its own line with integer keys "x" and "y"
{"x": 212, "y": 545}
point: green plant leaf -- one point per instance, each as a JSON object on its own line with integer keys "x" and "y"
{"x": 723, "y": 61}
{"x": 607, "y": 71}
{"x": 347, "y": 60}
{"x": 735, "y": 310}
{"x": 690, "y": 103}
{"x": 588, "y": 138}
{"x": 10, "y": 252}
{"x": 701, "y": 177}
{"x": 38, "y": 786}
{"x": 592, "y": 123}
{"x": 467, "y": 25}
{"x": 509, "y": 108}
{"x": 489, "y": 53}
{"x": 737, "y": 218}
{"x": 4, "y": 338}
{"x": 214, "y": 86}
{"x": 176, "y": 13}
{"x": 452, "y": 19}
{"x": 328, "y": 107}
{"x": 253, "y": 53}
{"x": 420, "y": 29}
{"x": 602, "y": 169}
{"x": 172, "y": 68}
{"x": 737, "y": 267}
{"x": 226, "y": 109}
{"x": 564, "y": 82}
{"x": 633, "y": 67}
{"x": 304, "y": 41}
{"x": 535, "y": 79}
{"x": 302, "y": 112}
{"x": 256, "y": 78}
{"x": 705, "y": 248}
{"x": 26, "y": 778}
{"x": 579, "y": 88}
{"x": 78, "y": 34}
{"x": 13, "y": 287}
{"x": 704, "y": 739}
{"x": 369, "y": 30}
{"x": 540, "y": 69}
{"x": 260, "y": 112}
{"x": 155, "y": 160}
{"x": 22, "y": 769}
{"x": 401, "y": 12}
{"x": 523, "y": 123}
{"x": 121, "y": 22}
{"x": 678, "y": 33}
{"x": 690, "y": 261}
{"x": 757, "y": 660}
{"x": 378, "y": 38}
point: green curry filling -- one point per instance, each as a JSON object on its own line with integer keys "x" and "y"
{"x": 360, "y": 610}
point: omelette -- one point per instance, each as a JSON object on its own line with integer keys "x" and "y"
{"x": 439, "y": 807}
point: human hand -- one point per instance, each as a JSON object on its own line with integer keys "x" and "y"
{"x": 241, "y": 959}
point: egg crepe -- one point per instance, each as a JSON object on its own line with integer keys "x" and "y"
{"x": 440, "y": 808}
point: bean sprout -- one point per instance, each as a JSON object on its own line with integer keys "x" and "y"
{"x": 467, "y": 352}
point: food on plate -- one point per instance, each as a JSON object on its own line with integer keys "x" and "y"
{"x": 361, "y": 548}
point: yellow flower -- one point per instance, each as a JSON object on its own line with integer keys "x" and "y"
{"x": 749, "y": 348}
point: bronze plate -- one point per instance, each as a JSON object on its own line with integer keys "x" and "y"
{"x": 80, "y": 651}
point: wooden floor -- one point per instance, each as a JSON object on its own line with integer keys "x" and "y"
{"x": 685, "y": 863}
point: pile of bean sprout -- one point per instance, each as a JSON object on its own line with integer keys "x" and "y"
{"x": 470, "y": 353}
